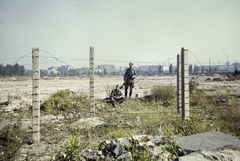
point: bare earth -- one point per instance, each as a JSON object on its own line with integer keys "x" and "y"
{"x": 22, "y": 87}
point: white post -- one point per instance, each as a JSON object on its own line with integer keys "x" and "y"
{"x": 185, "y": 84}
{"x": 91, "y": 80}
{"x": 179, "y": 84}
{"x": 35, "y": 95}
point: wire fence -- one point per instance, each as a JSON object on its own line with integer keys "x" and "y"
{"x": 85, "y": 61}
{"x": 50, "y": 59}
{"x": 124, "y": 62}
{"x": 103, "y": 83}
{"x": 20, "y": 88}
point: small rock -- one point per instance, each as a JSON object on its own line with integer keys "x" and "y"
{"x": 229, "y": 103}
{"x": 102, "y": 157}
{"x": 125, "y": 156}
{"x": 222, "y": 101}
{"x": 74, "y": 111}
{"x": 90, "y": 150}
{"x": 29, "y": 142}
{"x": 208, "y": 79}
{"x": 100, "y": 153}
{"x": 57, "y": 129}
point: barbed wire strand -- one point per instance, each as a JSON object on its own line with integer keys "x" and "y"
{"x": 21, "y": 57}
{"x": 56, "y": 58}
{"x": 196, "y": 58}
{"x": 102, "y": 83}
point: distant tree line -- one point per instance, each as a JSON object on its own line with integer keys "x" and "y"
{"x": 19, "y": 70}
{"x": 12, "y": 70}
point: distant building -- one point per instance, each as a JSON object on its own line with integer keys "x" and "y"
{"x": 148, "y": 69}
{"x": 108, "y": 67}
{"x": 165, "y": 67}
{"x": 217, "y": 68}
{"x": 121, "y": 69}
{"x": 64, "y": 68}
{"x": 53, "y": 70}
{"x": 83, "y": 70}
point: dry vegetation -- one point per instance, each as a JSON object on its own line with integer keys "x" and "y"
{"x": 153, "y": 114}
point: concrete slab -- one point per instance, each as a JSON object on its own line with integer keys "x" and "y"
{"x": 226, "y": 153}
{"x": 206, "y": 141}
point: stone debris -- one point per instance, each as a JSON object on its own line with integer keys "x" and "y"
{"x": 14, "y": 104}
{"x": 224, "y": 102}
{"x": 124, "y": 148}
{"x": 116, "y": 149}
{"x": 87, "y": 122}
{"x": 218, "y": 79}
{"x": 51, "y": 118}
{"x": 208, "y": 79}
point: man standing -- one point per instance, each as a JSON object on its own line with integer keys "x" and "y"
{"x": 116, "y": 96}
{"x": 129, "y": 76}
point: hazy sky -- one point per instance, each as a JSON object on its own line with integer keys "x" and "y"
{"x": 119, "y": 30}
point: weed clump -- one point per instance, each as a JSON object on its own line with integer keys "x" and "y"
{"x": 193, "y": 88}
{"x": 197, "y": 96}
{"x": 64, "y": 100}
{"x": 140, "y": 154}
{"x": 229, "y": 120}
{"x": 192, "y": 126}
{"x": 72, "y": 148}
{"x": 165, "y": 94}
{"x": 11, "y": 139}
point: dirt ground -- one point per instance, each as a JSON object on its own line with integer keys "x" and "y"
{"x": 22, "y": 87}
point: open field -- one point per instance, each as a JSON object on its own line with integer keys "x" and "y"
{"x": 132, "y": 117}
{"x": 143, "y": 85}
{"x": 48, "y": 86}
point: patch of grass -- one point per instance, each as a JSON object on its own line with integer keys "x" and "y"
{"x": 65, "y": 100}
{"x": 197, "y": 96}
{"x": 119, "y": 133}
{"x": 72, "y": 148}
{"x": 191, "y": 126}
{"x": 174, "y": 150}
{"x": 140, "y": 154}
{"x": 164, "y": 94}
{"x": 155, "y": 114}
{"x": 148, "y": 116}
{"x": 108, "y": 90}
{"x": 198, "y": 100}
{"x": 193, "y": 88}
{"x": 229, "y": 120}
{"x": 11, "y": 139}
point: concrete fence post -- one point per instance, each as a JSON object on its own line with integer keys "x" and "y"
{"x": 185, "y": 84}
{"x": 91, "y": 81}
{"x": 35, "y": 95}
{"x": 179, "y": 105}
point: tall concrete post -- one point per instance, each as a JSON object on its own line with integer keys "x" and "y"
{"x": 185, "y": 84}
{"x": 35, "y": 95}
{"x": 91, "y": 81}
{"x": 179, "y": 105}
